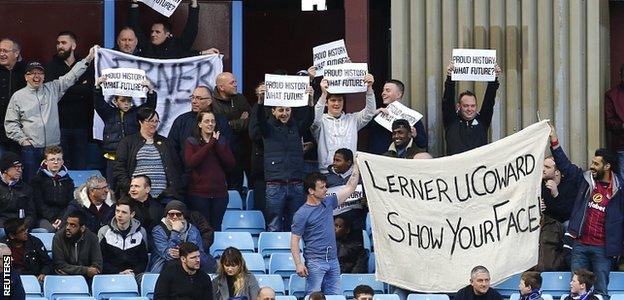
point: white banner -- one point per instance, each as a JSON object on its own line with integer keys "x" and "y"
{"x": 354, "y": 200}
{"x": 164, "y": 7}
{"x": 435, "y": 219}
{"x": 329, "y": 54}
{"x": 286, "y": 90}
{"x": 473, "y": 65}
{"x": 124, "y": 82}
{"x": 346, "y": 78}
{"x": 397, "y": 111}
{"x": 174, "y": 80}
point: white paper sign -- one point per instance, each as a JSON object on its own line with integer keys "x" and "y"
{"x": 164, "y": 7}
{"x": 397, "y": 111}
{"x": 346, "y": 78}
{"x": 174, "y": 80}
{"x": 124, "y": 82}
{"x": 473, "y": 65}
{"x": 286, "y": 90}
{"x": 447, "y": 215}
{"x": 329, "y": 54}
{"x": 354, "y": 200}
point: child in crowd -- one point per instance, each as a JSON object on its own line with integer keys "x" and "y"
{"x": 581, "y": 285}
{"x": 352, "y": 256}
{"x": 530, "y": 285}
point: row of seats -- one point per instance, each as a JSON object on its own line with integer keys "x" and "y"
{"x": 558, "y": 284}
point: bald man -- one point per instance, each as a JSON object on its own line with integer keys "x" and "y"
{"x": 266, "y": 293}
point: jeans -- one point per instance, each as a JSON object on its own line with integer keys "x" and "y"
{"x": 213, "y": 209}
{"x": 74, "y": 143}
{"x": 593, "y": 258}
{"x": 282, "y": 201}
{"x": 31, "y": 160}
{"x": 324, "y": 276}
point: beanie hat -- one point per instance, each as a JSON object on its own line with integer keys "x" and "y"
{"x": 176, "y": 205}
{"x": 8, "y": 160}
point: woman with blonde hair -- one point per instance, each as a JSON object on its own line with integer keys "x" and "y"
{"x": 233, "y": 280}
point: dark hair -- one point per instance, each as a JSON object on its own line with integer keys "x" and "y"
{"x": 466, "y": 93}
{"x": 348, "y": 224}
{"x": 78, "y": 214}
{"x": 342, "y": 96}
{"x": 68, "y": 33}
{"x": 148, "y": 181}
{"x": 609, "y": 157}
{"x": 12, "y": 225}
{"x": 346, "y": 153}
{"x": 165, "y": 23}
{"x": 126, "y": 200}
{"x": 363, "y": 289}
{"x": 398, "y": 83}
{"x": 317, "y": 296}
{"x": 54, "y": 149}
{"x": 585, "y": 277}
{"x": 145, "y": 113}
{"x": 187, "y": 248}
{"x": 311, "y": 179}
{"x": 532, "y": 279}
{"x": 197, "y": 131}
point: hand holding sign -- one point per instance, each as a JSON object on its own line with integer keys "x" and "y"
{"x": 348, "y": 78}
{"x": 474, "y": 65}
{"x": 369, "y": 79}
{"x": 92, "y": 52}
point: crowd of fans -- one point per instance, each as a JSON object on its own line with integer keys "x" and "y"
{"x": 165, "y": 196}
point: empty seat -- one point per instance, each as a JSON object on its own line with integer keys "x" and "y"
{"x": 46, "y": 238}
{"x": 81, "y": 176}
{"x": 240, "y": 240}
{"x": 369, "y": 226}
{"x": 285, "y": 298}
{"x": 115, "y": 285}
{"x": 616, "y": 283}
{"x": 255, "y": 263}
{"x": 274, "y": 242}
{"x": 273, "y": 281}
{"x": 148, "y": 284}
{"x": 371, "y": 262}
{"x": 350, "y": 281}
{"x": 367, "y": 242}
{"x": 509, "y": 286}
{"x": 249, "y": 200}
{"x": 296, "y": 286}
{"x": 330, "y": 297}
{"x": 31, "y": 285}
{"x": 617, "y": 297}
{"x": 55, "y": 286}
{"x": 427, "y": 297}
{"x": 235, "y": 201}
{"x": 251, "y": 221}
{"x": 555, "y": 283}
{"x": 386, "y": 297}
{"x": 282, "y": 264}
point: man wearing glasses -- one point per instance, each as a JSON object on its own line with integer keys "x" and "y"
{"x": 95, "y": 201}
{"x": 172, "y": 231}
{"x": 15, "y": 195}
{"x": 32, "y": 117}
{"x": 12, "y": 70}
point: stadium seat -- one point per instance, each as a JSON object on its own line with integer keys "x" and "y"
{"x": 72, "y": 298}
{"x": 563, "y": 296}
{"x": 514, "y": 296}
{"x": 274, "y": 242}
{"x": 148, "y": 283}
{"x": 330, "y": 297}
{"x": 81, "y": 176}
{"x": 386, "y": 297}
{"x": 371, "y": 262}
{"x": 273, "y": 281}
{"x": 251, "y": 221}
{"x": 128, "y": 298}
{"x": 367, "y": 242}
{"x": 255, "y": 263}
{"x": 296, "y": 286}
{"x": 369, "y": 226}
{"x": 616, "y": 283}
{"x": 240, "y": 240}
{"x": 427, "y": 297}
{"x": 31, "y": 285}
{"x": 509, "y": 286}
{"x": 350, "y": 281}
{"x": 282, "y": 264}
{"x": 249, "y": 200}
{"x": 2, "y": 234}
{"x": 235, "y": 201}
{"x": 38, "y": 230}
{"x": 56, "y": 286}
{"x": 116, "y": 285}
{"x": 46, "y": 238}
{"x": 617, "y": 297}
{"x": 555, "y": 283}
{"x": 285, "y": 298}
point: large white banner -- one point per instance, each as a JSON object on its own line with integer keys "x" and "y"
{"x": 164, "y": 7}
{"x": 174, "y": 80}
{"x": 434, "y": 220}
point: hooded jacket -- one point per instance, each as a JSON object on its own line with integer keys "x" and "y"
{"x": 81, "y": 202}
{"x": 13, "y": 197}
{"x": 74, "y": 258}
{"x": 33, "y": 114}
{"x": 52, "y": 193}
{"x": 164, "y": 238}
{"x": 122, "y": 250}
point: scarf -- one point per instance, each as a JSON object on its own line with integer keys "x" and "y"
{"x": 534, "y": 294}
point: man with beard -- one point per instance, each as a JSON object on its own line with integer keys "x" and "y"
{"x": 12, "y": 70}
{"x": 597, "y": 220}
{"x": 183, "y": 279}
{"x": 76, "y": 250}
{"x": 76, "y": 106}
{"x": 403, "y": 145}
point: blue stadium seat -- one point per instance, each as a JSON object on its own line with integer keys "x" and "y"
{"x": 616, "y": 283}
{"x": 240, "y": 240}
{"x": 285, "y": 298}
{"x": 255, "y": 263}
{"x": 2, "y": 234}
{"x": 56, "y": 286}
{"x": 273, "y": 281}
{"x": 251, "y": 221}
{"x": 386, "y": 297}
{"x": 296, "y": 286}
{"x": 38, "y": 230}
{"x": 274, "y": 242}
{"x": 509, "y": 286}
{"x": 81, "y": 176}
{"x": 371, "y": 262}
{"x": 115, "y": 285}
{"x": 617, "y": 297}
{"x": 46, "y": 238}
{"x": 350, "y": 281}
{"x": 369, "y": 225}
{"x": 367, "y": 242}
{"x": 330, "y": 297}
{"x": 427, "y": 297}
{"x": 235, "y": 201}
{"x": 72, "y": 298}
{"x": 148, "y": 283}
{"x": 128, "y": 298}
{"x": 249, "y": 200}
{"x": 514, "y": 296}
{"x": 282, "y": 264}
{"x": 555, "y": 283}
{"x": 31, "y": 285}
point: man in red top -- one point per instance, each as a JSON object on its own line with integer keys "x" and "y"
{"x": 614, "y": 118}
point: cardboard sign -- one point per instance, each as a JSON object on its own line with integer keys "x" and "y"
{"x": 124, "y": 82}
{"x": 397, "y": 111}
{"x": 354, "y": 200}
{"x": 329, "y": 54}
{"x": 473, "y": 65}
{"x": 164, "y": 7}
{"x": 346, "y": 78}
{"x": 286, "y": 90}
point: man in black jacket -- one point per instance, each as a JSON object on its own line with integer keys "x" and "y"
{"x": 16, "y": 197}
{"x": 402, "y": 144}
{"x": 148, "y": 210}
{"x": 76, "y": 106}
{"x": 28, "y": 252}
{"x": 479, "y": 287}
{"x": 465, "y": 128}
{"x": 12, "y": 71}
{"x": 182, "y": 279}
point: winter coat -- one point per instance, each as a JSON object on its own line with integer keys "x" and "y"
{"x": 52, "y": 193}
{"x": 121, "y": 253}
{"x": 220, "y": 290}
{"x": 14, "y": 197}
{"x": 75, "y": 258}
{"x": 81, "y": 202}
{"x": 36, "y": 259}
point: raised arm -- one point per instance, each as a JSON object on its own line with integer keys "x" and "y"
{"x": 190, "y": 29}
{"x": 101, "y": 106}
{"x": 349, "y": 188}
{"x": 448, "y": 100}
{"x": 487, "y": 108}
{"x": 66, "y": 81}
{"x": 365, "y": 115}
{"x": 567, "y": 168}
{"x": 319, "y": 107}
